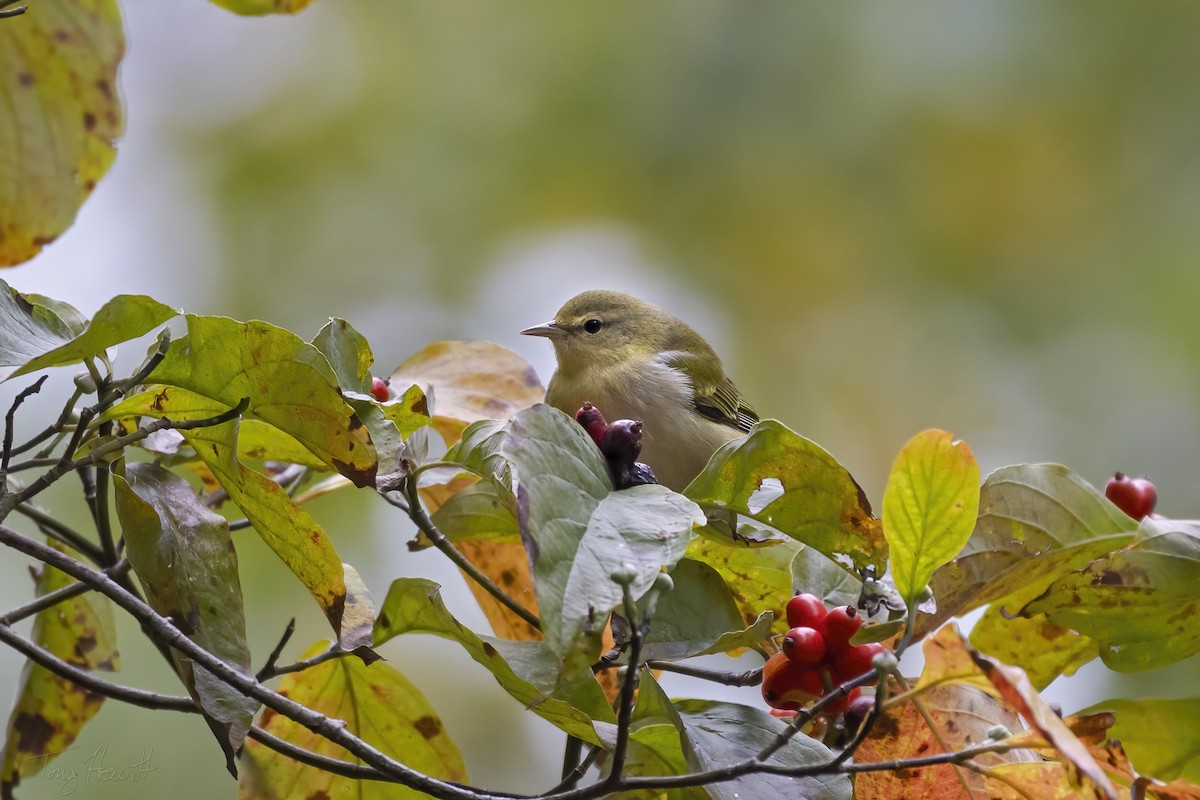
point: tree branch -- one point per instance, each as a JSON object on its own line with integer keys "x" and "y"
{"x": 51, "y": 599}
{"x": 751, "y": 677}
{"x": 416, "y": 512}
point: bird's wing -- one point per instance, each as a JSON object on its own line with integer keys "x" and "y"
{"x": 714, "y": 394}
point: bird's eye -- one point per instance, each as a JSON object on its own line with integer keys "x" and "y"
{"x": 593, "y": 326}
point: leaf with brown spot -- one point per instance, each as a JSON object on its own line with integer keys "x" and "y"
{"x": 376, "y": 703}
{"x": 961, "y": 716}
{"x": 779, "y": 478}
{"x": 760, "y": 578}
{"x": 59, "y": 117}
{"x": 1044, "y": 650}
{"x": 51, "y": 711}
{"x": 1161, "y": 737}
{"x": 506, "y": 564}
{"x": 470, "y": 381}
{"x": 290, "y": 531}
{"x": 288, "y": 382}
{"x": 1139, "y": 603}
{"x": 948, "y": 660}
{"x": 1016, "y": 690}
{"x": 1036, "y": 522}
{"x": 186, "y": 563}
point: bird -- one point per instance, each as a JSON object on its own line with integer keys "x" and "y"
{"x": 633, "y": 360}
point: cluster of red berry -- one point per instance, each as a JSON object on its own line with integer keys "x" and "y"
{"x": 621, "y": 444}
{"x": 816, "y": 656}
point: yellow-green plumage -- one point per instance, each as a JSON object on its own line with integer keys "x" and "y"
{"x": 635, "y": 361}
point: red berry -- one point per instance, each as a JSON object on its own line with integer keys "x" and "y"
{"x": 852, "y": 661}
{"x": 1135, "y": 496}
{"x": 805, "y": 611}
{"x": 840, "y": 624}
{"x": 805, "y": 646}
{"x": 592, "y": 421}
{"x": 789, "y": 685}
{"x": 379, "y": 389}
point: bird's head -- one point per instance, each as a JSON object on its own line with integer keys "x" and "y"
{"x": 601, "y": 329}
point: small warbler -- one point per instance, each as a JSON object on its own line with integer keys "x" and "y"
{"x": 635, "y": 361}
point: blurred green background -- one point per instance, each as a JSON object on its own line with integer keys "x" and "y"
{"x": 980, "y": 217}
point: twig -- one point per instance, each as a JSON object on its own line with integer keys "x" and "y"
{"x": 571, "y": 752}
{"x": 57, "y": 427}
{"x": 51, "y": 599}
{"x": 162, "y": 702}
{"x": 126, "y": 694}
{"x": 575, "y": 775}
{"x": 751, "y": 677}
{"x": 628, "y": 693}
{"x": 99, "y": 505}
{"x": 416, "y": 512}
{"x": 11, "y": 12}
{"x": 165, "y": 631}
{"x": 56, "y": 529}
{"x": 268, "y": 668}
{"x": 333, "y": 652}
{"x": 97, "y": 455}
{"x": 9, "y": 421}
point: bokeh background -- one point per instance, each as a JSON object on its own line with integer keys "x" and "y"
{"x": 983, "y": 217}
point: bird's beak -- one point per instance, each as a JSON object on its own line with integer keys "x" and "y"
{"x": 547, "y": 329}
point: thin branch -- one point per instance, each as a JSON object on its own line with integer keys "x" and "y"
{"x": 99, "y": 505}
{"x": 268, "y": 668}
{"x": 628, "y": 694}
{"x": 416, "y": 512}
{"x": 166, "y": 632}
{"x": 51, "y": 599}
{"x": 97, "y": 454}
{"x": 751, "y": 677}
{"x": 56, "y": 529}
{"x": 6, "y": 12}
{"x": 126, "y": 694}
{"x": 333, "y": 652}
{"x": 162, "y": 702}
{"x": 63, "y": 417}
{"x": 572, "y": 778}
{"x": 9, "y": 421}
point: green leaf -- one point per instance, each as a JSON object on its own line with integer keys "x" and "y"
{"x": 377, "y": 704}
{"x": 483, "y": 511}
{"x": 815, "y": 573}
{"x": 1044, "y": 650}
{"x": 50, "y": 711}
{"x": 290, "y": 531}
{"x": 480, "y": 450}
{"x": 760, "y": 578}
{"x": 414, "y": 605}
{"x": 1036, "y": 522}
{"x": 288, "y": 382}
{"x": 929, "y": 508}
{"x": 778, "y": 477}
{"x": 185, "y": 561}
{"x": 30, "y": 326}
{"x": 578, "y": 532}
{"x": 348, "y": 354}
{"x": 60, "y": 114}
{"x": 1160, "y": 737}
{"x": 122, "y": 318}
{"x": 1139, "y": 603}
{"x": 699, "y": 616}
{"x": 718, "y": 734}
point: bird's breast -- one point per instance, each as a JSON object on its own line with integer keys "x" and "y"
{"x": 678, "y": 441}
